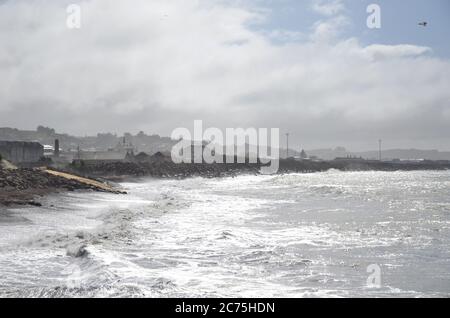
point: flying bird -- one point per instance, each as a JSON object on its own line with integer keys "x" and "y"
{"x": 424, "y": 24}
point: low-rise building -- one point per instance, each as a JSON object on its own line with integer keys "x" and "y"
{"x": 21, "y": 151}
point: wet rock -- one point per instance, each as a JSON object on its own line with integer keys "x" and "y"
{"x": 34, "y": 203}
{"x": 79, "y": 235}
{"x": 20, "y": 186}
{"x": 76, "y": 251}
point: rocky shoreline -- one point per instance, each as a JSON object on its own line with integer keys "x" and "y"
{"x": 23, "y": 186}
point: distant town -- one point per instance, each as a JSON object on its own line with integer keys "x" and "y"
{"x": 45, "y": 144}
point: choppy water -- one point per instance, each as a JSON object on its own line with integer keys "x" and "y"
{"x": 300, "y": 235}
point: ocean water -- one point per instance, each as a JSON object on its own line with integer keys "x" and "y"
{"x": 297, "y": 235}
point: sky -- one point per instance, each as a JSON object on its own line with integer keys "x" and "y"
{"x": 309, "y": 67}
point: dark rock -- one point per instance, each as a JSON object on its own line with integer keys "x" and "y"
{"x": 34, "y": 203}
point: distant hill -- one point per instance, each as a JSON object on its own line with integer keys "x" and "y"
{"x": 407, "y": 154}
{"x": 329, "y": 154}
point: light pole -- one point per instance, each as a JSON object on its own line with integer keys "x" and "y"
{"x": 379, "y": 149}
{"x": 287, "y": 146}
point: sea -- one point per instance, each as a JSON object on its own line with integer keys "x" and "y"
{"x": 330, "y": 234}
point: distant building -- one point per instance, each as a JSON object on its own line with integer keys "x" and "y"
{"x": 21, "y": 151}
{"x": 303, "y": 155}
{"x": 353, "y": 159}
{"x": 124, "y": 147}
{"x": 48, "y": 150}
{"x": 122, "y": 151}
{"x": 100, "y": 155}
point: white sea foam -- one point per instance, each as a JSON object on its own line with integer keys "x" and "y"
{"x": 299, "y": 235}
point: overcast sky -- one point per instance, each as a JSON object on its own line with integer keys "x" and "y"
{"x": 309, "y": 67}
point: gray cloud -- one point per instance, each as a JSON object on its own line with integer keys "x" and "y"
{"x": 157, "y": 65}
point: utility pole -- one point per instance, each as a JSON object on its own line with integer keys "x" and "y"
{"x": 380, "y": 142}
{"x": 287, "y": 146}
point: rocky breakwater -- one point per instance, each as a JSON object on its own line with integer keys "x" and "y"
{"x": 159, "y": 166}
{"x": 122, "y": 170}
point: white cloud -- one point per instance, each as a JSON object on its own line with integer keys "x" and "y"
{"x": 378, "y": 51}
{"x": 156, "y": 65}
{"x": 328, "y": 7}
{"x": 329, "y": 29}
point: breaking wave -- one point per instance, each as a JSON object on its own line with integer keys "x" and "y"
{"x": 297, "y": 235}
